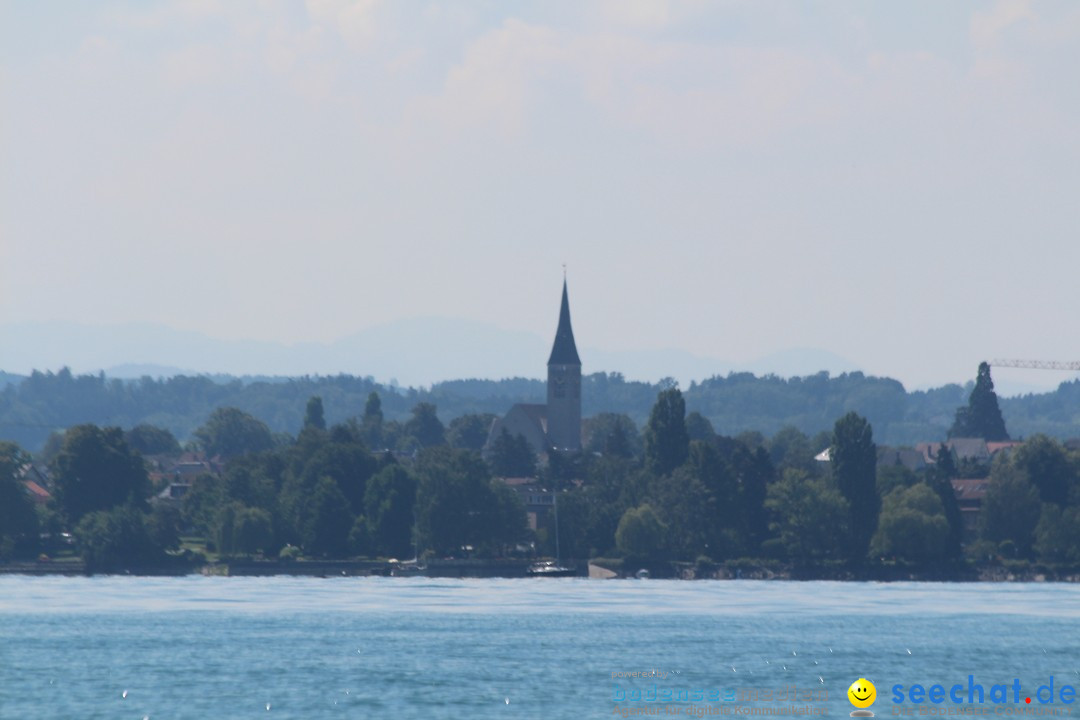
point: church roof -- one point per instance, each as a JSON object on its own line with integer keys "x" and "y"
{"x": 564, "y": 351}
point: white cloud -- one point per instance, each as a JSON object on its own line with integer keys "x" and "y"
{"x": 987, "y": 27}
{"x": 647, "y": 13}
{"x": 376, "y": 156}
{"x": 353, "y": 20}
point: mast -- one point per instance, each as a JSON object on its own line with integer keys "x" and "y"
{"x": 555, "y": 504}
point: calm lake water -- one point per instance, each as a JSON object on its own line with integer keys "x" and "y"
{"x": 282, "y": 647}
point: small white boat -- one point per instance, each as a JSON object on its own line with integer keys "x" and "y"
{"x": 550, "y": 568}
{"x": 409, "y": 568}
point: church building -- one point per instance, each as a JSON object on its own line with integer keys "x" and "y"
{"x": 556, "y": 425}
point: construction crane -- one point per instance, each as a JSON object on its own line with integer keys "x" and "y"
{"x": 1037, "y": 364}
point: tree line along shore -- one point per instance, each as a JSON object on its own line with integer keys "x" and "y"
{"x": 675, "y": 496}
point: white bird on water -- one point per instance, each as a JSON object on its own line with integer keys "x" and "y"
{"x": 124, "y": 694}
{"x": 821, "y": 679}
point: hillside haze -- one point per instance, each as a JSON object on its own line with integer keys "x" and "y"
{"x": 416, "y": 352}
{"x": 33, "y": 407}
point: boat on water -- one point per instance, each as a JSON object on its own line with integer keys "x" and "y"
{"x": 407, "y": 568}
{"x": 404, "y": 570}
{"x": 550, "y": 568}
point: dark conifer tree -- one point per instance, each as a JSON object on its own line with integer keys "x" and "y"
{"x": 314, "y": 417}
{"x": 981, "y": 417}
{"x": 854, "y": 465}
{"x": 511, "y": 456}
{"x": 667, "y": 442}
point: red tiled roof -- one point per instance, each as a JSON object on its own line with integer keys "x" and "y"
{"x": 993, "y": 447}
{"x": 37, "y": 493}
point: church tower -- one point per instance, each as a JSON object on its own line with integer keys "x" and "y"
{"x": 564, "y": 385}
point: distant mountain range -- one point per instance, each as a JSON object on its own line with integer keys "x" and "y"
{"x": 417, "y": 352}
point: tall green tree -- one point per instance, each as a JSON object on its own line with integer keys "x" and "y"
{"x": 699, "y": 427}
{"x": 313, "y": 414}
{"x": 457, "y": 503}
{"x": 372, "y": 424}
{"x": 151, "y": 440}
{"x": 641, "y": 533}
{"x": 791, "y": 448}
{"x": 606, "y": 495}
{"x": 683, "y": 504}
{"x": 809, "y": 516}
{"x": 890, "y": 477}
{"x": 729, "y": 528}
{"x": 667, "y": 442}
{"x": 163, "y": 525}
{"x": 912, "y": 525}
{"x": 326, "y": 528}
{"x": 229, "y": 432}
{"x": 720, "y": 480}
{"x": 96, "y": 470}
{"x": 753, "y": 472}
{"x": 981, "y": 417}
{"x": 425, "y": 427}
{"x": 612, "y": 434}
{"x": 201, "y": 503}
{"x": 945, "y": 492}
{"x": 470, "y": 431}
{"x": 116, "y": 539}
{"x": 1011, "y": 508}
{"x": 511, "y": 456}
{"x": 1057, "y": 534}
{"x": 390, "y": 502}
{"x": 253, "y": 531}
{"x": 245, "y": 481}
{"x": 349, "y": 465}
{"x": 509, "y": 517}
{"x": 945, "y": 463}
{"x": 617, "y": 443}
{"x": 1046, "y": 463}
{"x": 854, "y": 467}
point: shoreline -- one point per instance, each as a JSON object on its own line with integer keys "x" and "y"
{"x": 1014, "y": 572}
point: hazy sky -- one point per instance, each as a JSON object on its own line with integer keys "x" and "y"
{"x": 894, "y": 182}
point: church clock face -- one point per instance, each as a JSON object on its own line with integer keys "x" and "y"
{"x": 560, "y": 385}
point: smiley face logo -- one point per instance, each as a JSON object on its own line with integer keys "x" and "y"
{"x": 862, "y": 693}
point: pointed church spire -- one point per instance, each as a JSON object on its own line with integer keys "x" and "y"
{"x": 564, "y": 351}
